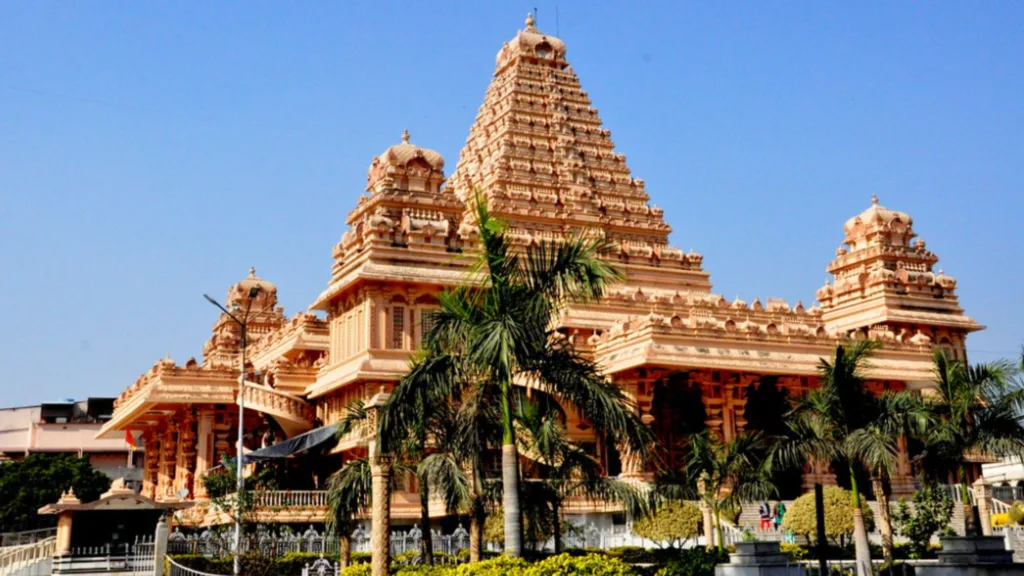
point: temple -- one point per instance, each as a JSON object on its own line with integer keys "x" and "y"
{"x": 540, "y": 155}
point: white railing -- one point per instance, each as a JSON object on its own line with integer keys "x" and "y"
{"x": 291, "y": 498}
{"x": 1000, "y": 507}
{"x": 29, "y": 559}
{"x": 136, "y": 558}
{"x": 285, "y": 498}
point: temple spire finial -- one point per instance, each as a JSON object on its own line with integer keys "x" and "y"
{"x": 252, "y": 271}
{"x": 405, "y": 136}
{"x": 874, "y": 199}
{"x": 530, "y": 21}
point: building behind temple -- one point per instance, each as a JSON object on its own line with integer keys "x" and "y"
{"x": 540, "y": 155}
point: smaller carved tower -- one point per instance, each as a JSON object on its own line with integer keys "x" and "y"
{"x": 884, "y": 284}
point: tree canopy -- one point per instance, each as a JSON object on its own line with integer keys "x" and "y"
{"x": 29, "y": 484}
{"x": 800, "y": 517}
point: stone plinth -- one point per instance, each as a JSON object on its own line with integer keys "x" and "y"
{"x": 972, "y": 556}
{"x": 759, "y": 559}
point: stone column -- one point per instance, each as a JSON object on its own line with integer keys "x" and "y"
{"x": 983, "y": 496}
{"x": 165, "y": 473}
{"x": 818, "y": 473}
{"x": 633, "y": 466}
{"x": 380, "y": 471}
{"x": 159, "y": 547}
{"x": 150, "y": 463}
{"x": 204, "y": 452}
{"x": 902, "y": 481}
{"x": 64, "y": 533}
{"x": 184, "y": 462}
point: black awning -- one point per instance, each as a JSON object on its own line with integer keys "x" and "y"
{"x": 301, "y": 443}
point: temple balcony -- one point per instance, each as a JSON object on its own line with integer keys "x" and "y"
{"x": 291, "y": 412}
{"x": 303, "y": 334}
{"x": 164, "y": 386}
{"x": 369, "y": 365}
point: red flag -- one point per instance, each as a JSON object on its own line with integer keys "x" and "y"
{"x": 130, "y": 439}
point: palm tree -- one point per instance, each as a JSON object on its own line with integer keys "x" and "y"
{"x": 564, "y": 470}
{"x": 349, "y": 489}
{"x": 824, "y": 420}
{"x": 722, "y": 475}
{"x": 503, "y": 322}
{"x": 975, "y": 410}
{"x": 890, "y": 416}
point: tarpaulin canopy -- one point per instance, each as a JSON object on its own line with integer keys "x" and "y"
{"x": 301, "y": 443}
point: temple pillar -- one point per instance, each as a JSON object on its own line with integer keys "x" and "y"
{"x": 204, "y": 452}
{"x": 184, "y": 462}
{"x": 902, "y": 481}
{"x": 983, "y": 497}
{"x": 165, "y": 470}
{"x": 637, "y": 392}
{"x": 818, "y": 472}
{"x": 150, "y": 463}
{"x": 63, "y": 546}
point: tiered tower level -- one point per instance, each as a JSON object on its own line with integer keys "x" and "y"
{"x": 540, "y": 156}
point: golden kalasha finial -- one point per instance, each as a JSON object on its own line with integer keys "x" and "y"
{"x": 529, "y": 20}
{"x": 874, "y": 199}
{"x": 405, "y": 136}
{"x": 252, "y": 271}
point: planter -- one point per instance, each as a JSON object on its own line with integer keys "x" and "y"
{"x": 972, "y": 556}
{"x": 759, "y": 559}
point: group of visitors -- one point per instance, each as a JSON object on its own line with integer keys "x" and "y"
{"x": 771, "y": 516}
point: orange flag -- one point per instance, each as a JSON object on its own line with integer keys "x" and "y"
{"x": 130, "y": 439}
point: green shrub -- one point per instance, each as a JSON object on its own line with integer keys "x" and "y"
{"x": 592, "y": 564}
{"x": 498, "y": 566}
{"x": 671, "y": 524}
{"x": 694, "y": 562}
{"x": 357, "y": 570}
{"x": 795, "y": 552}
{"x": 800, "y": 518}
{"x": 1016, "y": 514}
{"x": 933, "y": 509}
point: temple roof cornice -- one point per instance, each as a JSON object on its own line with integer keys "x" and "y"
{"x": 652, "y": 342}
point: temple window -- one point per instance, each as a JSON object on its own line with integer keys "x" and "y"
{"x": 397, "y": 326}
{"x": 427, "y": 316}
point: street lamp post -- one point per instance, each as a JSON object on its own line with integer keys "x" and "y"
{"x": 239, "y": 478}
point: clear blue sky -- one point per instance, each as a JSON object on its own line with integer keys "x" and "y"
{"x": 151, "y": 152}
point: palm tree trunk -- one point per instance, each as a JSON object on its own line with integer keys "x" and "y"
{"x": 345, "y": 550}
{"x": 427, "y": 542}
{"x": 860, "y": 533}
{"x": 884, "y": 521}
{"x": 819, "y": 525}
{"x": 476, "y": 513}
{"x": 970, "y": 526}
{"x": 510, "y": 483}
{"x": 709, "y": 526}
{"x": 718, "y": 529}
{"x": 556, "y": 523}
{"x": 380, "y": 527}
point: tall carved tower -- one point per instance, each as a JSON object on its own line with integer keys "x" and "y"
{"x": 539, "y": 154}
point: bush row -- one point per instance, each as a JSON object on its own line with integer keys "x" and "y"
{"x": 614, "y": 562}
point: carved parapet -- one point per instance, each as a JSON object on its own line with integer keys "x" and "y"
{"x": 294, "y": 414}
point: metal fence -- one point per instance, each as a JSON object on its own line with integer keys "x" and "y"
{"x": 266, "y": 542}
{"x": 26, "y": 537}
{"x": 137, "y": 558}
